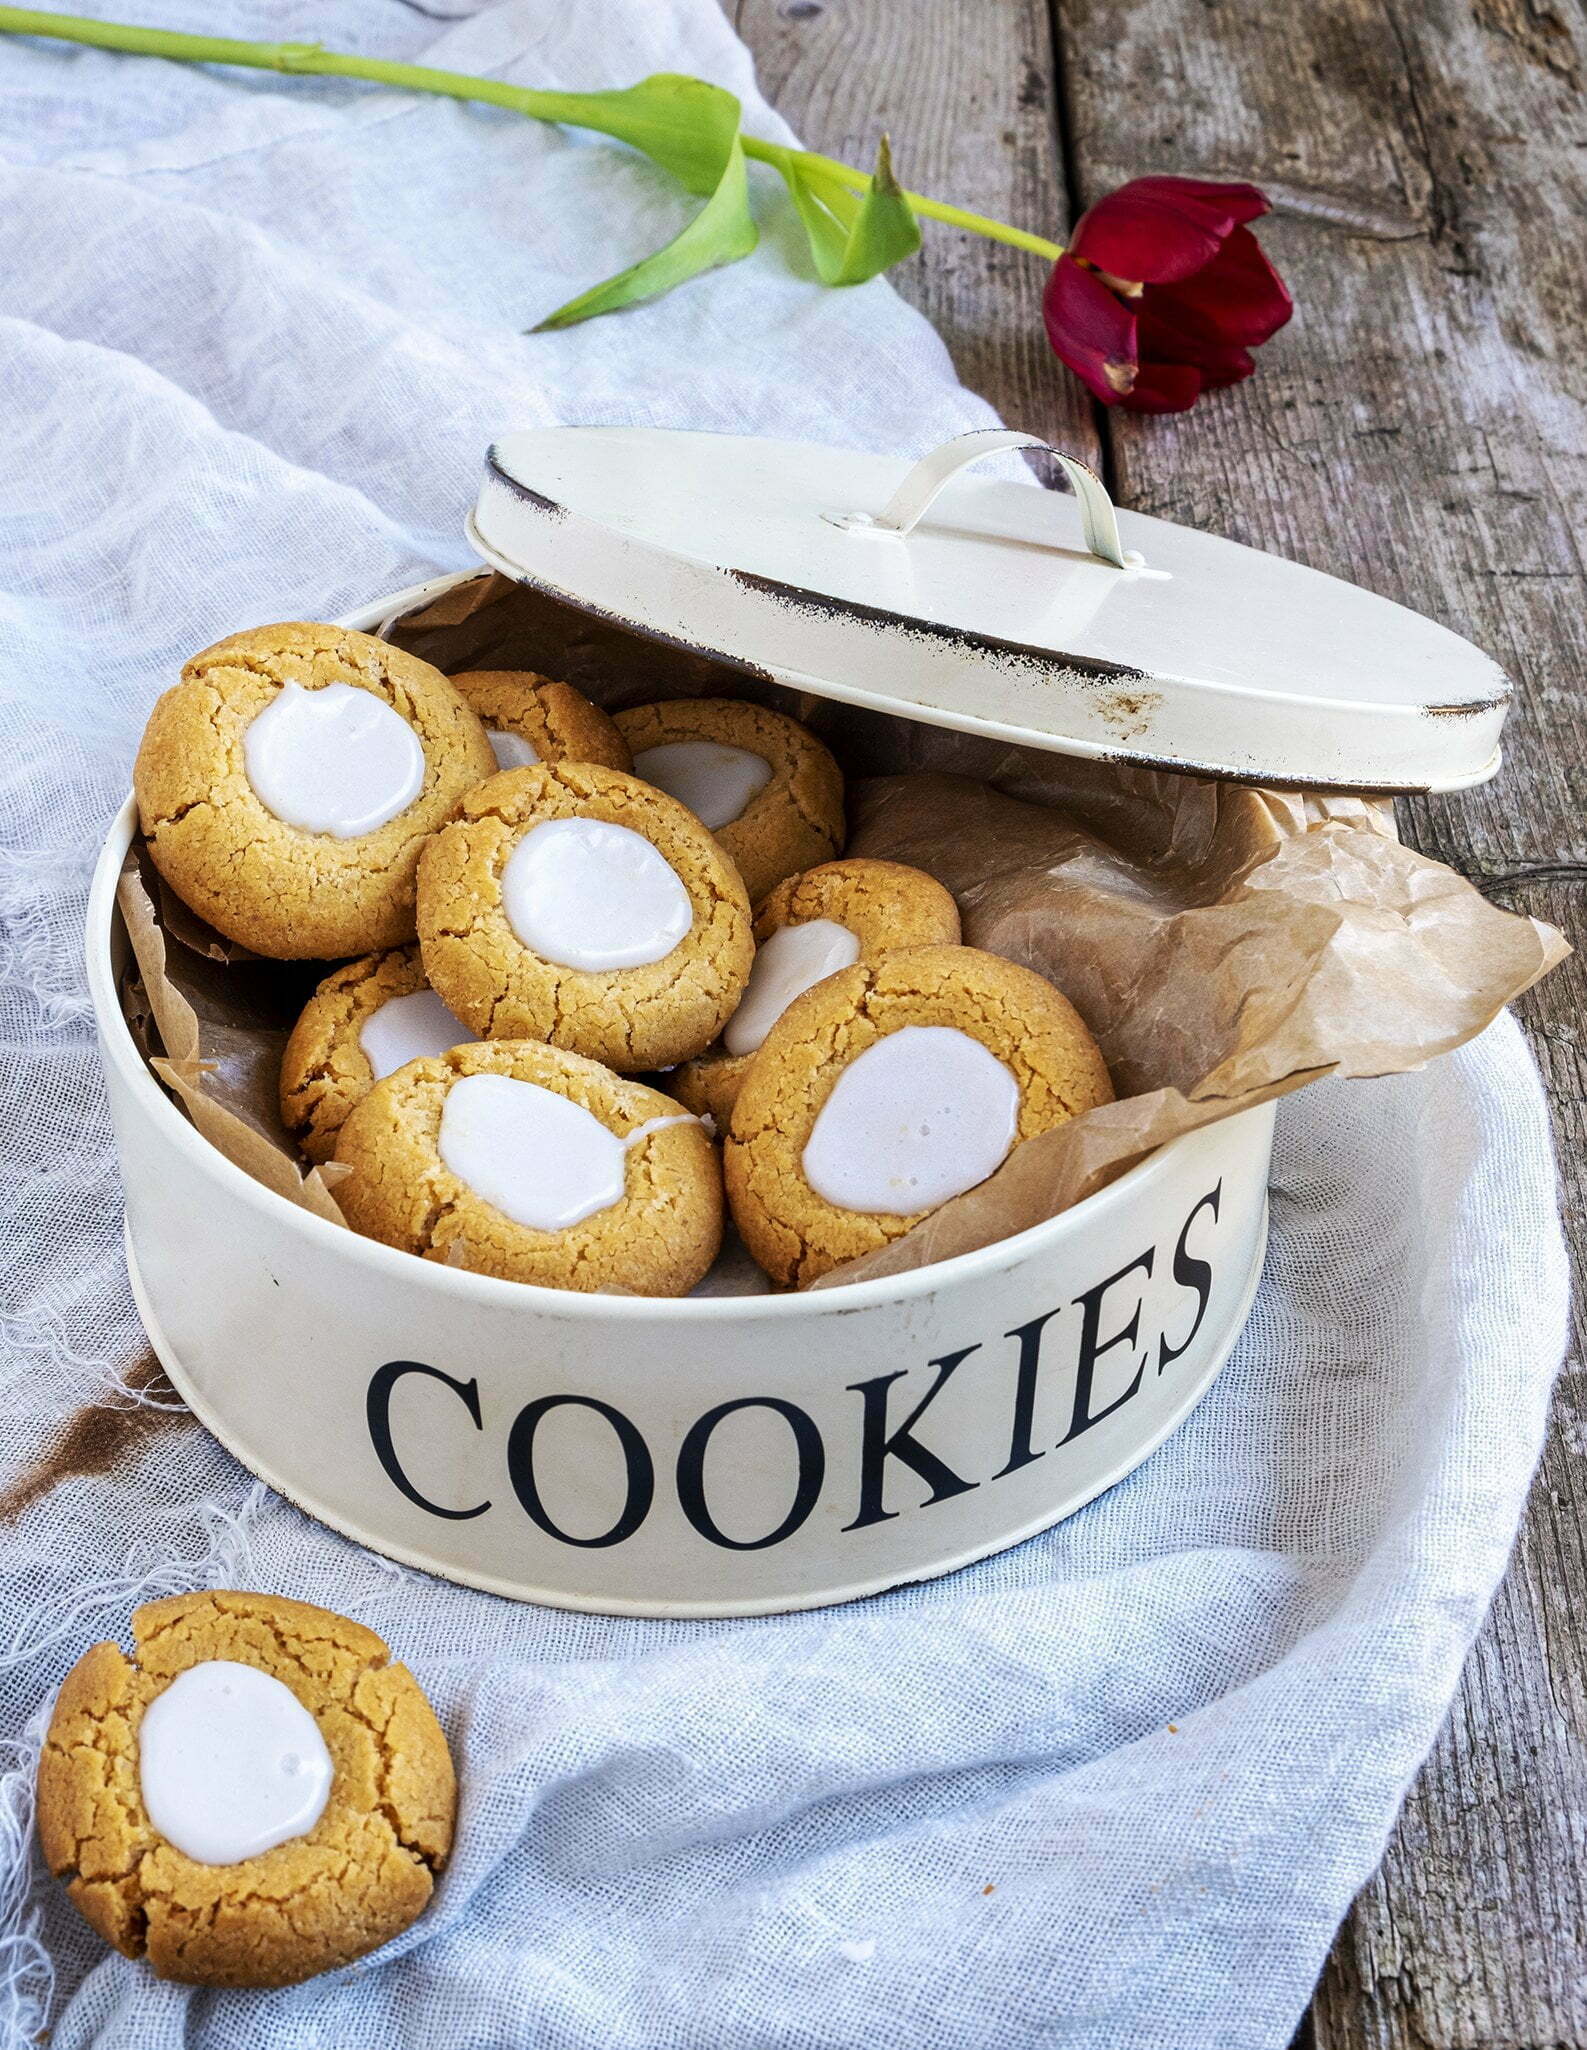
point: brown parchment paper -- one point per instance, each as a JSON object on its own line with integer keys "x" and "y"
{"x": 1225, "y": 944}
{"x": 213, "y": 1026}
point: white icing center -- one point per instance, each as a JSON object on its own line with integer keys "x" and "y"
{"x": 540, "y": 1159}
{"x": 794, "y": 959}
{"x": 922, "y": 1115}
{"x": 337, "y": 760}
{"x": 511, "y": 750}
{"x": 587, "y": 894}
{"x": 231, "y": 1763}
{"x": 406, "y": 1029}
{"x": 714, "y": 781}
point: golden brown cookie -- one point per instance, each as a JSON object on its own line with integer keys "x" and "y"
{"x": 946, "y": 1057}
{"x": 366, "y": 1019}
{"x": 531, "y": 719}
{"x": 579, "y": 906}
{"x": 286, "y": 706}
{"x": 355, "y": 1879}
{"x": 523, "y": 1161}
{"x": 765, "y": 786}
{"x": 859, "y": 910}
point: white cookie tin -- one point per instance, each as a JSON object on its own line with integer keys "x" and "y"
{"x": 711, "y": 1457}
{"x": 739, "y": 1455}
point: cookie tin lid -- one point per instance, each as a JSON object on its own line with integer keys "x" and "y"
{"x": 993, "y": 606}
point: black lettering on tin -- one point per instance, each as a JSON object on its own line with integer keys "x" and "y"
{"x": 638, "y": 1467}
{"x": 1092, "y": 1347}
{"x": 808, "y": 1448}
{"x": 1191, "y": 1273}
{"x": 878, "y": 1444}
{"x": 377, "y": 1410}
{"x": 1021, "y": 1452}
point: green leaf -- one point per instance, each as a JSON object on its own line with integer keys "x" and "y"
{"x": 721, "y": 232}
{"x": 684, "y": 124}
{"x": 853, "y": 238}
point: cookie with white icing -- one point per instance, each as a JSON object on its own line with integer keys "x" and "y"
{"x": 366, "y": 1019}
{"x": 808, "y": 928}
{"x": 530, "y": 718}
{"x": 287, "y": 783}
{"x": 764, "y": 784}
{"x": 576, "y": 905}
{"x": 257, "y": 1794}
{"x": 523, "y": 1161}
{"x": 887, "y": 1090}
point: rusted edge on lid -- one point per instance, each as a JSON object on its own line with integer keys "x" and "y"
{"x": 519, "y": 489}
{"x": 1082, "y": 668}
{"x": 1471, "y": 706}
{"x": 636, "y": 626}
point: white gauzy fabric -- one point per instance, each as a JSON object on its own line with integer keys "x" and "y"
{"x": 1112, "y": 1789}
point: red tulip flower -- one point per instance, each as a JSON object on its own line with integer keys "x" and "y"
{"x": 1163, "y": 293}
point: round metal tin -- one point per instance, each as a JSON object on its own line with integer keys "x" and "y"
{"x": 708, "y": 1457}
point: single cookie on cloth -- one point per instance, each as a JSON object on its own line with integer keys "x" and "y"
{"x": 530, "y": 718}
{"x": 889, "y": 1089}
{"x": 766, "y": 787}
{"x": 366, "y": 1020}
{"x": 579, "y": 906}
{"x": 532, "y": 1164}
{"x": 287, "y": 783}
{"x": 808, "y": 928}
{"x": 256, "y": 1795}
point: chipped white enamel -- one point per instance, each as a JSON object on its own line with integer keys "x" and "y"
{"x": 231, "y": 1763}
{"x": 716, "y": 782}
{"x": 408, "y": 1028}
{"x": 337, "y": 760}
{"x": 920, "y": 1116}
{"x": 587, "y": 894}
{"x": 795, "y": 958}
{"x": 511, "y": 750}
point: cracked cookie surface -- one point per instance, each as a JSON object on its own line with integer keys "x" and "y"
{"x": 660, "y": 1238}
{"x": 885, "y": 904}
{"x": 351, "y": 1883}
{"x": 1016, "y": 1014}
{"x": 324, "y": 1069}
{"x": 795, "y": 820}
{"x": 557, "y": 721}
{"x": 631, "y": 1018}
{"x": 285, "y": 892}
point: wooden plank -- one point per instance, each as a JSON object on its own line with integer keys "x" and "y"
{"x": 967, "y": 94}
{"x": 1420, "y": 429}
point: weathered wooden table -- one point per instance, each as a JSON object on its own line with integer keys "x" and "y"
{"x": 1421, "y": 427}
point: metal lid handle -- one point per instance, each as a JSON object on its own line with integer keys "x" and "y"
{"x": 1097, "y": 518}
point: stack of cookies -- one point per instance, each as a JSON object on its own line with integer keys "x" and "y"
{"x": 535, "y": 906}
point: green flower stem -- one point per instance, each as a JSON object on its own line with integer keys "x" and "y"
{"x": 818, "y": 168}
{"x": 302, "y": 58}
{"x": 310, "y": 59}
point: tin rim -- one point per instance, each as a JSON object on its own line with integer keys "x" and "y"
{"x": 121, "y": 1049}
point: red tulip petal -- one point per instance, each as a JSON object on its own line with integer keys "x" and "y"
{"x": 1239, "y": 295}
{"x": 1237, "y": 202}
{"x": 1165, "y": 338}
{"x": 1143, "y": 240}
{"x": 1090, "y": 329}
{"x": 1160, "y": 230}
{"x": 1163, "y": 388}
